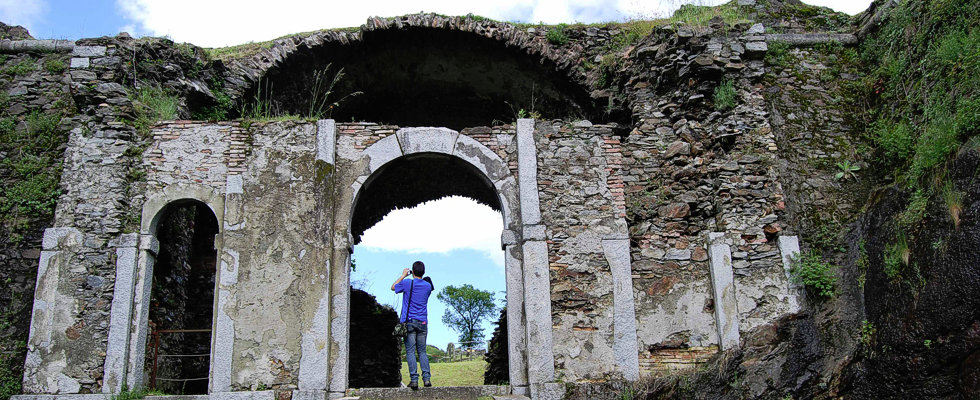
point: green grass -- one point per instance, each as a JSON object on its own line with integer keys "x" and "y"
{"x": 897, "y": 256}
{"x": 154, "y": 105}
{"x": 696, "y": 15}
{"x": 725, "y": 95}
{"x": 460, "y": 373}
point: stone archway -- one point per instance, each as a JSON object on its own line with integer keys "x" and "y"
{"x": 531, "y": 359}
{"x": 136, "y": 256}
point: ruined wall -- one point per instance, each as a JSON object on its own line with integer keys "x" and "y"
{"x": 687, "y": 167}
{"x": 693, "y": 167}
{"x": 33, "y": 99}
{"x": 582, "y": 203}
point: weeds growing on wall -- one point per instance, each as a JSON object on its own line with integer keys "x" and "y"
{"x": 556, "y": 35}
{"x": 21, "y": 68}
{"x": 925, "y": 86}
{"x": 923, "y": 94}
{"x": 222, "y": 107}
{"x": 153, "y": 104}
{"x": 322, "y": 103}
{"x": 31, "y": 169}
{"x": 725, "y": 95}
{"x": 818, "y": 276}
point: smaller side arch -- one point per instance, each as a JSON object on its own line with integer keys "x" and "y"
{"x": 155, "y": 203}
{"x": 153, "y": 210}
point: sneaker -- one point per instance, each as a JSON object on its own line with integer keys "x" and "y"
{"x": 427, "y": 383}
{"x": 414, "y": 385}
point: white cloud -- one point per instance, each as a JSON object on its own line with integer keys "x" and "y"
{"x": 452, "y": 223}
{"x": 215, "y": 23}
{"x": 22, "y": 12}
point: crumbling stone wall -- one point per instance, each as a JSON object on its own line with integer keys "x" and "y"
{"x": 682, "y": 170}
{"x": 34, "y": 99}
{"x": 694, "y": 169}
{"x": 581, "y": 203}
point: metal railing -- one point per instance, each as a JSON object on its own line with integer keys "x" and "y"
{"x": 156, "y": 356}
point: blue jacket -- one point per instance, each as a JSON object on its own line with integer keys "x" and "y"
{"x": 420, "y": 299}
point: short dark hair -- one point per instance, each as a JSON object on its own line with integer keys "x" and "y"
{"x": 418, "y": 269}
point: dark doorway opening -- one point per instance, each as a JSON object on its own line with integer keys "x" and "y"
{"x": 182, "y": 300}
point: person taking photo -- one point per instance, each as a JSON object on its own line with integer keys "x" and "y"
{"x": 415, "y": 298}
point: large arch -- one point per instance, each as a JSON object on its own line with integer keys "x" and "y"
{"x": 136, "y": 256}
{"x": 422, "y": 70}
{"x": 419, "y": 145}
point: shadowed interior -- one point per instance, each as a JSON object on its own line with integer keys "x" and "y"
{"x": 426, "y": 77}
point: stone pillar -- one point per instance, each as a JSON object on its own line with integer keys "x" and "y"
{"x": 223, "y": 333}
{"x": 789, "y": 247}
{"x": 315, "y": 350}
{"x": 537, "y": 280}
{"x": 120, "y": 317}
{"x": 326, "y": 140}
{"x": 149, "y": 247}
{"x": 340, "y": 315}
{"x": 723, "y": 286}
{"x": 516, "y": 335}
{"x": 52, "y": 313}
{"x": 617, "y": 253}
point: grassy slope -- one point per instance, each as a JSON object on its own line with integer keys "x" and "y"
{"x": 461, "y": 373}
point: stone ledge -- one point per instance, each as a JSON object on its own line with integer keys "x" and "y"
{"x": 47, "y": 45}
{"x": 443, "y": 392}
{"x": 810, "y": 39}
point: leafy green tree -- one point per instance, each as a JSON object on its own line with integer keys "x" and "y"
{"x": 466, "y": 308}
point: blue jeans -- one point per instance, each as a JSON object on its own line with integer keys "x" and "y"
{"x": 415, "y": 340}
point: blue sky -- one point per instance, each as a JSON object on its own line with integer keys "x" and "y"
{"x": 216, "y": 23}
{"x": 457, "y": 239}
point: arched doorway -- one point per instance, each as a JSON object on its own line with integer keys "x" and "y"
{"x": 420, "y": 164}
{"x": 179, "y": 228}
{"x": 180, "y": 313}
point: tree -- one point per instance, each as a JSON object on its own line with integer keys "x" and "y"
{"x": 466, "y": 308}
{"x": 498, "y": 372}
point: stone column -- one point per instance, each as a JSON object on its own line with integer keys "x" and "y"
{"x": 617, "y": 254}
{"x": 223, "y": 332}
{"x": 51, "y": 314}
{"x": 120, "y": 317}
{"x": 537, "y": 279}
{"x": 314, "y": 359}
{"x": 516, "y": 335}
{"x": 723, "y": 286}
{"x": 149, "y": 247}
{"x": 789, "y": 247}
{"x": 340, "y": 314}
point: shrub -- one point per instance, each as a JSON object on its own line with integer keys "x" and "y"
{"x": 24, "y": 67}
{"x": 778, "y": 54}
{"x": 811, "y": 271}
{"x": 55, "y": 65}
{"x": 894, "y": 139}
{"x": 556, "y": 35}
{"x": 725, "y": 95}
